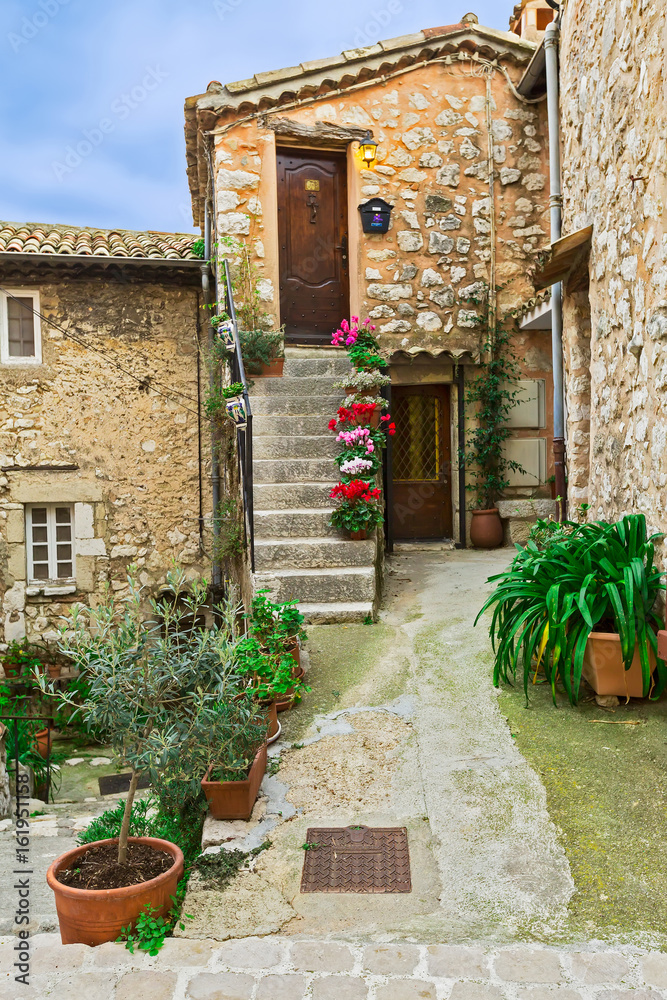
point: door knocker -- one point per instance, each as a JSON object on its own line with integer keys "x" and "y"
{"x": 313, "y": 204}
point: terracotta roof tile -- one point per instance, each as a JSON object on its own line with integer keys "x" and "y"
{"x": 77, "y": 241}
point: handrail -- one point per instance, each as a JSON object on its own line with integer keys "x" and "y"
{"x": 243, "y": 434}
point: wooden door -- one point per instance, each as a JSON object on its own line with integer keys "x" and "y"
{"x": 422, "y": 494}
{"x": 312, "y": 230}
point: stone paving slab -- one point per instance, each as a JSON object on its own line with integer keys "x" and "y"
{"x": 281, "y": 968}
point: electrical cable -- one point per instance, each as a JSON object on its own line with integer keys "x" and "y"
{"x": 107, "y": 358}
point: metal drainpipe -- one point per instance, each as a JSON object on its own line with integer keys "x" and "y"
{"x": 215, "y": 462}
{"x": 461, "y": 413}
{"x": 551, "y": 37}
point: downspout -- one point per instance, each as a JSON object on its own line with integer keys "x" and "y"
{"x": 551, "y": 37}
{"x": 199, "y": 429}
{"x": 461, "y": 433}
{"x": 215, "y": 460}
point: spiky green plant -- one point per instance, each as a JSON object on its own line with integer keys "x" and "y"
{"x": 556, "y": 593}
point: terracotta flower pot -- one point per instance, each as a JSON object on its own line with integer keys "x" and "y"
{"x": 486, "y": 529}
{"x": 604, "y": 670}
{"x": 272, "y": 370}
{"x": 360, "y": 535}
{"x": 93, "y": 916}
{"x": 287, "y": 700}
{"x": 374, "y": 390}
{"x": 273, "y": 730}
{"x": 370, "y": 420}
{"x": 295, "y": 651}
{"x": 43, "y": 741}
{"x": 11, "y": 669}
{"x": 54, "y": 670}
{"x": 235, "y": 799}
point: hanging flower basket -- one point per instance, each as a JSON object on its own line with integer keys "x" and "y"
{"x": 226, "y": 331}
{"x": 236, "y": 411}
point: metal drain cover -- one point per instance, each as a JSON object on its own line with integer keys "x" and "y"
{"x": 357, "y": 859}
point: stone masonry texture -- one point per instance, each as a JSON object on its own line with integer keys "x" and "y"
{"x": 280, "y": 968}
{"x": 613, "y": 107}
{"x": 132, "y": 446}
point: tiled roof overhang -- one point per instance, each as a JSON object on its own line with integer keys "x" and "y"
{"x": 221, "y": 106}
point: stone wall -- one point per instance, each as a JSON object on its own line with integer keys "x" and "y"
{"x": 613, "y": 110}
{"x": 132, "y": 453}
{"x": 418, "y": 281}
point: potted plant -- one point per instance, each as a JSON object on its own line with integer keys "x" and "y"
{"x": 147, "y": 679}
{"x": 273, "y": 675}
{"x": 358, "y": 508}
{"x": 235, "y": 404}
{"x": 262, "y": 352}
{"x": 360, "y": 443}
{"x": 581, "y": 601}
{"x": 276, "y": 624}
{"x": 225, "y": 329}
{"x": 493, "y": 392}
{"x": 21, "y": 659}
{"x": 363, "y": 383}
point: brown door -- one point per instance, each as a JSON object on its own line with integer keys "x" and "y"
{"x": 422, "y": 498}
{"x": 312, "y": 229}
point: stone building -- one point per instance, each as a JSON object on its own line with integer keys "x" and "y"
{"x": 102, "y": 449}
{"x": 612, "y": 258}
{"x": 275, "y": 162}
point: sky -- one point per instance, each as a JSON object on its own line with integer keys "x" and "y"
{"x": 92, "y": 91}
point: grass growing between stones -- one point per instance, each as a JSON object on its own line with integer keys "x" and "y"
{"x": 607, "y": 794}
{"x": 341, "y": 658}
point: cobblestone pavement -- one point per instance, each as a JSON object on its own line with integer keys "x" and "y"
{"x": 280, "y": 968}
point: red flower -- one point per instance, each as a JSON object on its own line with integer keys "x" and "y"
{"x": 355, "y": 491}
{"x": 391, "y": 429}
{"x": 332, "y": 424}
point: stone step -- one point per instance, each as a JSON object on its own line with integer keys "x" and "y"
{"x": 312, "y": 553}
{"x": 332, "y": 614}
{"x": 319, "y": 586}
{"x": 335, "y": 367}
{"x": 307, "y": 446}
{"x": 288, "y": 496}
{"x": 287, "y": 470}
{"x": 309, "y": 522}
{"x": 264, "y": 424}
{"x": 317, "y": 385}
{"x": 298, "y": 405}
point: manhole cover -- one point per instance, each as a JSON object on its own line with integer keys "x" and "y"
{"x": 357, "y": 859}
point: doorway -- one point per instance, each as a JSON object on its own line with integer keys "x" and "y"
{"x": 313, "y": 240}
{"x": 422, "y": 462}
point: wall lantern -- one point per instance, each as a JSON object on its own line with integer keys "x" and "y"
{"x": 368, "y": 147}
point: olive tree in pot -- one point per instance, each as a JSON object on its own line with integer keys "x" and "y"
{"x": 148, "y": 680}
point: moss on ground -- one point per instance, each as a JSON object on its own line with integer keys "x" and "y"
{"x": 342, "y": 657}
{"x": 607, "y": 794}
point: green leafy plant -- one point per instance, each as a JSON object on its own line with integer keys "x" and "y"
{"x": 235, "y": 389}
{"x": 149, "y": 932}
{"x": 362, "y": 357}
{"x": 229, "y": 540}
{"x": 259, "y": 348}
{"x": 275, "y": 622}
{"x": 153, "y": 680}
{"x": 362, "y": 381}
{"x": 198, "y": 248}
{"x": 23, "y": 658}
{"x": 269, "y": 668}
{"x": 493, "y": 393}
{"x": 358, "y": 506}
{"x": 579, "y": 578}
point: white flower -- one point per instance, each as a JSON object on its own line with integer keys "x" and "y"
{"x": 355, "y": 465}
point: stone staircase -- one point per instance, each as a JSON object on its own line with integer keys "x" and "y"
{"x": 297, "y": 554}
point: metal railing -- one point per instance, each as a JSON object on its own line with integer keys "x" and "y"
{"x": 388, "y": 482}
{"x": 243, "y": 434}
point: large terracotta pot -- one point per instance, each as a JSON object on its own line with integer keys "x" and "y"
{"x": 604, "y": 670}
{"x": 486, "y": 529}
{"x": 272, "y": 370}
{"x": 43, "y": 741}
{"x": 235, "y": 799}
{"x": 93, "y": 916}
{"x": 273, "y": 726}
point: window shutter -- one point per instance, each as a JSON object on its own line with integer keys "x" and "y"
{"x": 21, "y": 327}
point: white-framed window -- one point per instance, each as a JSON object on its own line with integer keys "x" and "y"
{"x": 50, "y": 542}
{"x": 20, "y": 330}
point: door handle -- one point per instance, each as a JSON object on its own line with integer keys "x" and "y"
{"x": 343, "y": 248}
{"x": 313, "y": 204}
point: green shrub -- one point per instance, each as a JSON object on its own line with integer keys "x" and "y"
{"x": 579, "y": 577}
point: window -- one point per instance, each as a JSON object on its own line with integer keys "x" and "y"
{"x": 20, "y": 335}
{"x": 50, "y": 542}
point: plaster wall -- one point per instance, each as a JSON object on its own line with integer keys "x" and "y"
{"x": 613, "y": 113}
{"x": 133, "y": 454}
